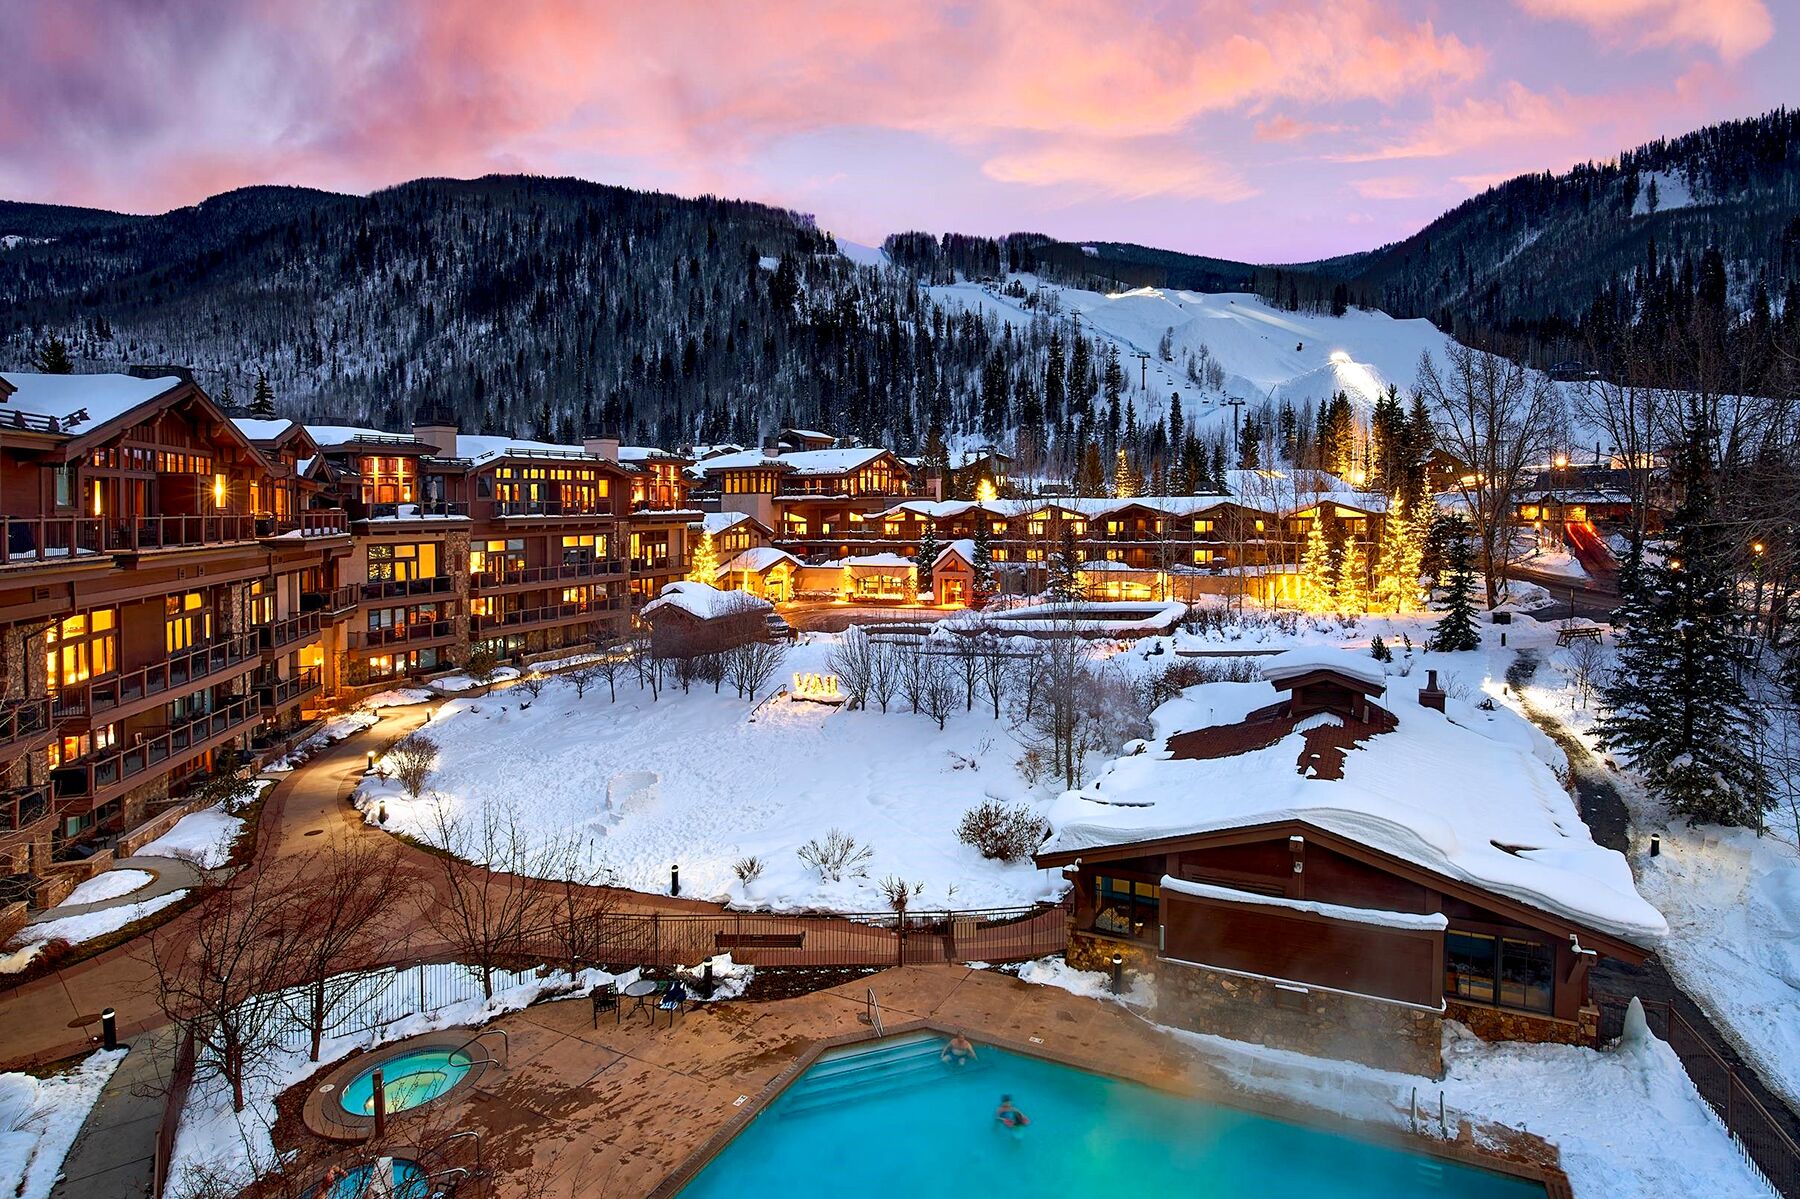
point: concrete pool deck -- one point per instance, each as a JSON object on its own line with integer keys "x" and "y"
{"x": 616, "y": 1109}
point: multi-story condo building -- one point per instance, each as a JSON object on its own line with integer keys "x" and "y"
{"x": 178, "y": 581}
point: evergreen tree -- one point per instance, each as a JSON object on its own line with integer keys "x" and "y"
{"x": 1676, "y": 705}
{"x": 1379, "y": 651}
{"x": 1315, "y": 569}
{"x": 262, "y": 400}
{"x": 1398, "y": 558}
{"x": 54, "y": 358}
{"x": 227, "y": 399}
{"x": 703, "y": 567}
{"x": 936, "y": 458}
{"x": 1457, "y": 630}
{"x": 1091, "y": 478}
{"x": 926, "y": 559}
{"x": 1351, "y": 593}
{"x": 1055, "y": 387}
{"x": 1064, "y": 581}
{"x": 1125, "y": 483}
{"x": 985, "y": 584}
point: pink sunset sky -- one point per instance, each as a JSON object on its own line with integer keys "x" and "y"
{"x": 1271, "y": 131}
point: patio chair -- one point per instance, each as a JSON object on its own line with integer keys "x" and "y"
{"x": 606, "y": 998}
{"x": 674, "y": 1001}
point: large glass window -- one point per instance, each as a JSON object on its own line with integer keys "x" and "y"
{"x": 400, "y": 563}
{"x": 82, "y": 647}
{"x": 187, "y": 622}
{"x": 1503, "y": 971}
{"x": 1126, "y": 908}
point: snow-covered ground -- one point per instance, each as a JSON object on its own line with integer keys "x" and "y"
{"x": 727, "y": 787}
{"x": 108, "y": 884}
{"x": 30, "y": 940}
{"x": 39, "y": 1119}
{"x": 204, "y": 838}
{"x": 1627, "y": 1120}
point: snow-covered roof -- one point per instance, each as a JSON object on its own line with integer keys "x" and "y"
{"x": 802, "y": 462}
{"x": 1308, "y": 658}
{"x": 262, "y": 430}
{"x": 646, "y": 453}
{"x": 706, "y": 601}
{"x": 717, "y": 522}
{"x": 1466, "y": 794}
{"x": 757, "y": 559}
{"x": 479, "y": 448}
{"x": 869, "y": 560}
{"x": 962, "y": 547}
{"x": 104, "y": 398}
{"x": 331, "y": 436}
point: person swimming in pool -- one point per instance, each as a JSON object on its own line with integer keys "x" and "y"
{"x": 959, "y": 1050}
{"x": 1009, "y": 1115}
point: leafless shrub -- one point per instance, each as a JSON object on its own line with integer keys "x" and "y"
{"x": 836, "y": 856}
{"x": 748, "y": 869}
{"x": 1002, "y": 832}
{"x": 937, "y": 686}
{"x": 1586, "y": 661}
{"x": 412, "y": 759}
{"x": 532, "y": 683}
{"x": 898, "y": 893}
{"x": 884, "y": 672}
{"x": 852, "y": 661}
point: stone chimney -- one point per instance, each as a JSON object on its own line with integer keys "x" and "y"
{"x": 771, "y": 446}
{"x": 605, "y": 447}
{"x": 1431, "y": 695}
{"x": 438, "y": 431}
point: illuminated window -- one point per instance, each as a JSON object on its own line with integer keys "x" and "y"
{"x": 186, "y": 621}
{"x": 1203, "y": 556}
{"x": 1125, "y": 907}
{"x": 1206, "y": 526}
{"x": 400, "y": 563}
{"x": 82, "y": 647}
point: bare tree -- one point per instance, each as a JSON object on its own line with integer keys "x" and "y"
{"x": 532, "y": 683}
{"x": 582, "y": 915}
{"x": 753, "y": 664}
{"x": 884, "y": 672}
{"x": 996, "y": 667}
{"x": 852, "y": 661}
{"x": 583, "y": 675}
{"x": 412, "y": 759}
{"x": 483, "y": 665}
{"x": 217, "y": 977}
{"x": 645, "y": 661}
{"x": 1499, "y": 418}
{"x": 343, "y": 891}
{"x": 937, "y": 685}
{"x": 1082, "y": 707}
{"x": 485, "y": 913}
{"x": 967, "y": 648}
{"x": 1587, "y": 662}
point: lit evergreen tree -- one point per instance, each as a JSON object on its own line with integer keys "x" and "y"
{"x": 1351, "y": 594}
{"x": 1315, "y": 568}
{"x": 1676, "y": 704}
{"x": 703, "y": 566}
{"x": 1457, "y": 630}
{"x": 1398, "y": 557}
{"x": 1124, "y": 484}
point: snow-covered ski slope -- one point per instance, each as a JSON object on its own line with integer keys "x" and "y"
{"x": 1267, "y": 354}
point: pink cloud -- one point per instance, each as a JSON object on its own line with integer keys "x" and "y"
{"x": 1288, "y": 129}
{"x": 1123, "y": 170}
{"x": 1732, "y": 27}
{"x": 1517, "y": 113}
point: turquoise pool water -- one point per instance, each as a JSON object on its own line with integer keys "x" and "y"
{"x": 409, "y": 1182}
{"x": 895, "y": 1121}
{"x": 408, "y": 1080}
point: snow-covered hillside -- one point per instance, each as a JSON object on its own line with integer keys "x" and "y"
{"x": 1267, "y": 354}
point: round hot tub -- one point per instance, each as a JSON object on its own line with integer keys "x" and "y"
{"x": 414, "y": 1073}
{"x": 408, "y": 1080}
{"x": 407, "y": 1179}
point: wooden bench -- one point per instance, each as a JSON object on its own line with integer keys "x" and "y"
{"x": 725, "y": 941}
{"x": 1571, "y": 636}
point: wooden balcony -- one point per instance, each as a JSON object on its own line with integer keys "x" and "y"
{"x": 203, "y": 666}
{"x": 289, "y": 634}
{"x": 276, "y": 694}
{"x": 406, "y": 589}
{"x": 317, "y": 522}
{"x": 24, "y": 726}
{"x": 545, "y": 616}
{"x": 526, "y": 578}
{"x": 23, "y": 807}
{"x": 403, "y": 635}
{"x": 99, "y": 776}
{"x": 331, "y": 604}
{"x": 416, "y": 510}
{"x": 546, "y": 509}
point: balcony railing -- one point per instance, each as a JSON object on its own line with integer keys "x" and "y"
{"x": 87, "y": 777}
{"x": 539, "y": 576}
{"x": 417, "y": 510}
{"x": 294, "y": 631}
{"x": 279, "y": 693}
{"x": 187, "y": 671}
{"x": 319, "y": 522}
{"x": 331, "y": 603}
{"x": 506, "y": 508}
{"x": 21, "y": 720}
{"x": 58, "y": 538}
{"x": 406, "y": 588}
{"x": 23, "y": 806}
{"x": 401, "y": 634}
{"x": 547, "y": 614}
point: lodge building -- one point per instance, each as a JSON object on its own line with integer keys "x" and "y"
{"x": 178, "y": 581}
{"x": 1335, "y": 861}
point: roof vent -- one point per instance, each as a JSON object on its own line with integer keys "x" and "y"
{"x": 1431, "y": 695}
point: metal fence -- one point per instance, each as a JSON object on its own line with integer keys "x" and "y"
{"x": 376, "y": 998}
{"x": 1761, "y": 1136}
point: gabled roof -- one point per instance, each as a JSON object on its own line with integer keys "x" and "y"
{"x": 105, "y": 404}
{"x": 758, "y": 559}
{"x": 717, "y": 522}
{"x": 337, "y": 437}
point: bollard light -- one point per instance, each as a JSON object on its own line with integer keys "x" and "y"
{"x": 1655, "y": 845}
{"x": 369, "y": 768}
{"x": 706, "y": 979}
{"x": 1118, "y": 978}
{"x": 109, "y": 1029}
{"x": 675, "y": 880}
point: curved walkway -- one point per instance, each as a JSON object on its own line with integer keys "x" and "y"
{"x": 169, "y": 874}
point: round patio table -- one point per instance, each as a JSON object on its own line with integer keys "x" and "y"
{"x": 641, "y": 990}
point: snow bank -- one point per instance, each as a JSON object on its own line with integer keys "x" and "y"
{"x": 40, "y": 1118}
{"x": 204, "y": 838}
{"x": 1296, "y": 662}
{"x": 452, "y": 683}
{"x": 705, "y": 601}
{"x": 77, "y": 929}
{"x": 109, "y": 884}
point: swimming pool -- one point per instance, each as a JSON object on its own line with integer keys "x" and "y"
{"x": 408, "y": 1177}
{"x": 895, "y": 1121}
{"x": 408, "y": 1080}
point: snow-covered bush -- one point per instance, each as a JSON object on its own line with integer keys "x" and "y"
{"x": 899, "y": 893}
{"x": 748, "y": 869}
{"x": 1002, "y": 832}
{"x": 412, "y": 760}
{"x": 837, "y": 855}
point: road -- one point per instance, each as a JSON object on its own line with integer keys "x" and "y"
{"x": 1583, "y": 598}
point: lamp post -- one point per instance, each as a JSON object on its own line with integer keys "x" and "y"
{"x": 369, "y": 766}
{"x": 1118, "y": 974}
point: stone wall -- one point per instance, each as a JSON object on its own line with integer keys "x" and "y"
{"x": 1089, "y": 950}
{"x": 1496, "y": 1024}
{"x": 1390, "y": 1036}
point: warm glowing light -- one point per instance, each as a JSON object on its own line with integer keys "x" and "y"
{"x": 1562, "y": 460}
{"x": 820, "y": 688}
{"x": 984, "y": 491}
{"x": 1340, "y": 357}
{"x": 218, "y": 491}
{"x": 1757, "y": 548}
{"x": 1358, "y": 477}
